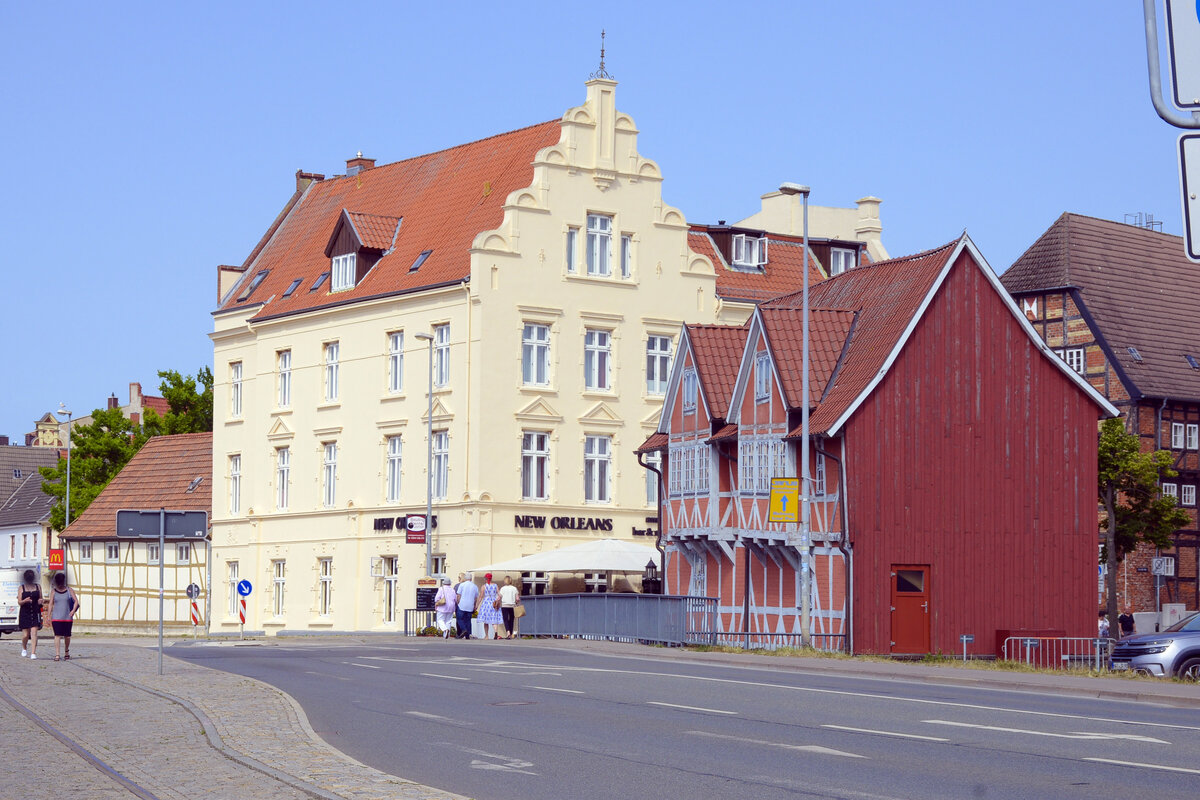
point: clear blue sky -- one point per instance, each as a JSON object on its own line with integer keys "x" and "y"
{"x": 146, "y": 143}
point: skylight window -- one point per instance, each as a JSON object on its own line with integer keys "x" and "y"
{"x": 320, "y": 280}
{"x": 1133, "y": 351}
{"x": 1192, "y": 362}
{"x": 420, "y": 260}
{"x": 295, "y": 285}
{"x": 254, "y": 284}
{"x": 195, "y": 482}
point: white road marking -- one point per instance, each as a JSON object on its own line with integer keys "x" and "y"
{"x": 1145, "y": 766}
{"x": 807, "y": 748}
{"x": 690, "y": 708}
{"x": 438, "y": 718}
{"x": 447, "y": 677}
{"x": 1074, "y": 735}
{"x": 365, "y": 666}
{"x": 511, "y": 672}
{"x": 552, "y": 689}
{"x": 887, "y": 733}
{"x": 510, "y": 764}
{"x": 327, "y": 675}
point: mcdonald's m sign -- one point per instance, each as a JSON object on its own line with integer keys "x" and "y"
{"x": 56, "y": 560}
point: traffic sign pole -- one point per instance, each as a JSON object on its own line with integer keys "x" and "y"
{"x": 162, "y": 544}
{"x": 244, "y": 588}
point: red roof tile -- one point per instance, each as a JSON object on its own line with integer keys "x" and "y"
{"x": 729, "y": 431}
{"x": 159, "y": 404}
{"x": 718, "y": 353}
{"x": 445, "y": 199}
{"x": 374, "y": 231}
{"x": 158, "y": 476}
{"x": 782, "y": 273}
{"x": 827, "y": 337}
{"x": 657, "y": 441}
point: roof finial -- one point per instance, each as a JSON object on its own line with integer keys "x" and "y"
{"x": 601, "y": 73}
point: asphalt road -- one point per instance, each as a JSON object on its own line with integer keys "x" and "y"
{"x": 505, "y": 720}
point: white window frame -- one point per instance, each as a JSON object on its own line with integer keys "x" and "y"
{"x": 235, "y": 389}
{"x": 749, "y": 251}
{"x": 1193, "y": 436}
{"x": 1074, "y": 356}
{"x": 396, "y": 362}
{"x": 599, "y": 245}
{"x": 441, "y": 355}
{"x": 597, "y": 360}
{"x": 235, "y": 484}
{"x": 112, "y": 552}
{"x": 231, "y": 572}
{"x": 283, "y": 362}
{"x": 283, "y": 476}
{"x": 395, "y": 456}
{"x": 441, "y": 464}
{"x": 702, "y": 469}
{"x": 653, "y": 459}
{"x": 1187, "y": 494}
{"x": 278, "y": 587}
{"x": 1177, "y": 440}
{"x": 332, "y": 369}
{"x": 597, "y": 469}
{"x": 324, "y": 587}
{"x": 762, "y": 377}
{"x": 535, "y": 465}
{"x": 820, "y": 489}
{"x": 85, "y": 552}
{"x": 535, "y": 354}
{"x": 1170, "y": 490}
{"x": 391, "y": 586}
{"x": 342, "y": 272}
{"x": 691, "y": 383}
{"x": 572, "y": 248}
{"x": 329, "y": 475}
{"x": 626, "y": 255}
{"x": 841, "y": 259}
{"x": 183, "y": 553}
{"x": 658, "y": 364}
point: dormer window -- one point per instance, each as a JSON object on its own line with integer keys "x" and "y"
{"x": 343, "y": 272}
{"x": 749, "y": 251}
{"x": 841, "y": 259}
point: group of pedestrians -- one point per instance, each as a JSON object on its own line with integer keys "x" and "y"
{"x": 1125, "y": 621}
{"x": 64, "y": 605}
{"x": 493, "y": 605}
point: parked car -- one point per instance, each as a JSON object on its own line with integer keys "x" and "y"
{"x": 1171, "y": 652}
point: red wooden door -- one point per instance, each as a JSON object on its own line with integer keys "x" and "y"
{"x": 910, "y": 609}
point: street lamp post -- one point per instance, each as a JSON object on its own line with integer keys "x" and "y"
{"x": 426, "y": 337}
{"x": 62, "y": 409}
{"x": 805, "y": 533}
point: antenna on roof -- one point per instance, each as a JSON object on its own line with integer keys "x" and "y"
{"x": 602, "y": 72}
{"x": 1142, "y": 219}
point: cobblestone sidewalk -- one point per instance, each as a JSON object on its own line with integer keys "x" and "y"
{"x": 113, "y": 728}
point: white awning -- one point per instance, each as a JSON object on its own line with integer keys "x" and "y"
{"x": 603, "y": 555}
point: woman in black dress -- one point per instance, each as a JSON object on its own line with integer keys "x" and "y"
{"x": 29, "y": 598}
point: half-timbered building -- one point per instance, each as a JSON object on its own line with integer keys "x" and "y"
{"x": 938, "y": 425}
{"x": 1118, "y": 303}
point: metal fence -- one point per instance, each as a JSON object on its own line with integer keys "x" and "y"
{"x": 1058, "y": 652}
{"x": 662, "y": 619}
{"x": 416, "y": 619}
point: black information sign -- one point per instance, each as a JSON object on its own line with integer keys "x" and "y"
{"x": 426, "y": 596}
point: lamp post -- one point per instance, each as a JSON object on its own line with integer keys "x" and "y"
{"x": 805, "y": 533}
{"x": 428, "y": 337}
{"x": 62, "y": 411}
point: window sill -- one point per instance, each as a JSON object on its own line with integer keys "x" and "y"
{"x": 538, "y": 390}
{"x": 603, "y": 280}
{"x": 438, "y": 390}
{"x": 391, "y": 397}
{"x": 281, "y": 412}
{"x": 234, "y": 421}
{"x": 603, "y": 394}
{"x": 329, "y": 404}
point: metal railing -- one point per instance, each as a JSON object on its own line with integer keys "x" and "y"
{"x": 1058, "y": 652}
{"x": 826, "y": 642}
{"x": 662, "y": 619}
{"x": 416, "y": 619}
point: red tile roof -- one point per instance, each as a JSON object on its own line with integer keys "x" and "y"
{"x": 887, "y": 296}
{"x": 729, "y": 431}
{"x": 782, "y": 273}
{"x": 158, "y": 476}
{"x": 159, "y": 404}
{"x": 718, "y": 353}
{"x": 373, "y": 231}
{"x": 444, "y": 198}
{"x": 827, "y": 337}
{"x": 657, "y": 441}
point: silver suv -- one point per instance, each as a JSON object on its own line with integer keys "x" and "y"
{"x": 1174, "y": 651}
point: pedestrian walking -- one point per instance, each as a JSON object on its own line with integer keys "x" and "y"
{"x": 1126, "y": 621}
{"x": 64, "y": 605}
{"x": 489, "y": 608}
{"x": 509, "y": 597}
{"x": 468, "y": 596}
{"x": 29, "y": 619}
{"x": 446, "y": 603}
{"x": 1102, "y": 626}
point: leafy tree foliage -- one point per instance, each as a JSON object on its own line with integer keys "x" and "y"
{"x": 1128, "y": 483}
{"x": 100, "y": 449}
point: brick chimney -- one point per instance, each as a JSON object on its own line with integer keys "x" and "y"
{"x": 358, "y": 164}
{"x": 304, "y": 179}
{"x": 3, "y": 441}
{"x": 113, "y": 403}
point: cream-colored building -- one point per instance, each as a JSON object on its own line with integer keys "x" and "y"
{"x": 553, "y": 280}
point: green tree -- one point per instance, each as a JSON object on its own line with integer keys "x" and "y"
{"x": 102, "y": 448}
{"x": 1128, "y": 482}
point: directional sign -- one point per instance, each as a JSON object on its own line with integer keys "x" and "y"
{"x": 1189, "y": 183}
{"x": 193, "y": 591}
{"x": 785, "y": 500}
{"x": 144, "y": 524}
{"x": 244, "y": 588}
{"x": 1183, "y": 40}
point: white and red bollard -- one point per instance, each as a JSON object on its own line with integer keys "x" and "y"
{"x": 242, "y": 618}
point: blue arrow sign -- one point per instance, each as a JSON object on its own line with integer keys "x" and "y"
{"x": 244, "y": 588}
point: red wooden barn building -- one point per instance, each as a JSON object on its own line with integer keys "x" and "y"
{"x": 940, "y": 426}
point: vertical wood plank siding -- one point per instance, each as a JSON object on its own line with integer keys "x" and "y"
{"x": 976, "y": 456}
